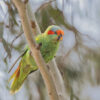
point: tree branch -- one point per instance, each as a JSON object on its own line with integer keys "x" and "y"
{"x": 54, "y": 71}
{"x": 58, "y": 80}
{"x": 21, "y": 7}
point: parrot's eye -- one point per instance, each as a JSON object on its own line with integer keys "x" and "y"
{"x": 50, "y": 32}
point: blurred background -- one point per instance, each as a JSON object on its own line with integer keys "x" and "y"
{"x": 78, "y": 57}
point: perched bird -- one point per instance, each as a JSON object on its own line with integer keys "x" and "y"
{"x": 49, "y": 42}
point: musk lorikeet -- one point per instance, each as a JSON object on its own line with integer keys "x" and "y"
{"x": 49, "y": 41}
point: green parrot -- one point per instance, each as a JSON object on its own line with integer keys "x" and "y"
{"x": 49, "y": 42}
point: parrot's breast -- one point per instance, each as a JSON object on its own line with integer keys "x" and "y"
{"x": 48, "y": 48}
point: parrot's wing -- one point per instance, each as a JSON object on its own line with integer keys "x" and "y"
{"x": 26, "y": 66}
{"x": 16, "y": 74}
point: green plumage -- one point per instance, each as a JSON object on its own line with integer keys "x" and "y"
{"x": 27, "y": 64}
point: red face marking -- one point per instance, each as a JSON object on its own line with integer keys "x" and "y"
{"x": 50, "y": 32}
{"x": 60, "y": 32}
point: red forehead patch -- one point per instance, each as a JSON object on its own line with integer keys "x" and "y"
{"x": 50, "y": 32}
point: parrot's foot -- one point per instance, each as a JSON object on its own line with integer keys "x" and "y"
{"x": 33, "y": 71}
{"x": 39, "y": 46}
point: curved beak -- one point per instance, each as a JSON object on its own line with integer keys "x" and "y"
{"x": 60, "y": 34}
{"x": 60, "y": 37}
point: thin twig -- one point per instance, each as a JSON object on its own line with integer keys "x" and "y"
{"x": 45, "y": 5}
{"x": 16, "y": 38}
{"x": 16, "y": 62}
{"x": 13, "y": 42}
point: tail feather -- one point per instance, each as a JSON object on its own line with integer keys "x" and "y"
{"x": 15, "y": 77}
{"x": 13, "y": 88}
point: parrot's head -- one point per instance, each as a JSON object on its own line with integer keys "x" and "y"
{"x": 55, "y": 33}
